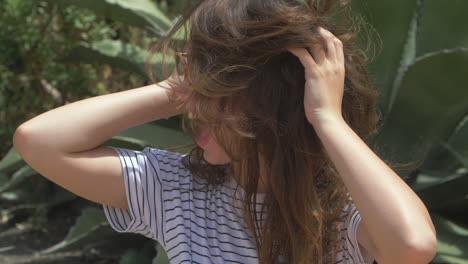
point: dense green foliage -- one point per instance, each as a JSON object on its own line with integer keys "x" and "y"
{"x": 54, "y": 52}
{"x": 36, "y": 75}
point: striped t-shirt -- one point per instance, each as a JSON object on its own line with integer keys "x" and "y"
{"x": 195, "y": 226}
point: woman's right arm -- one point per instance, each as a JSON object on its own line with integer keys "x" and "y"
{"x": 63, "y": 144}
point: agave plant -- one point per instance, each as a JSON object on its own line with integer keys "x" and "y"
{"x": 421, "y": 74}
{"x": 423, "y": 79}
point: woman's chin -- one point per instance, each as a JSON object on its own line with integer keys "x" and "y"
{"x": 216, "y": 160}
{"x": 213, "y": 153}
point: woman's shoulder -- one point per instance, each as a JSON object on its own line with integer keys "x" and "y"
{"x": 155, "y": 162}
{"x": 163, "y": 156}
{"x": 164, "y": 153}
{"x": 166, "y": 162}
{"x": 350, "y": 249}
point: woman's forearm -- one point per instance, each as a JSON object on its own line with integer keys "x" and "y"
{"x": 397, "y": 220}
{"x": 88, "y": 123}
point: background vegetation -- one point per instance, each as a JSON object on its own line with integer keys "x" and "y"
{"x": 56, "y": 52}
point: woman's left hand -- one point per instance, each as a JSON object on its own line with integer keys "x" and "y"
{"x": 324, "y": 78}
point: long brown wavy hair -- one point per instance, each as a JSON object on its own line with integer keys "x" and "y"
{"x": 247, "y": 86}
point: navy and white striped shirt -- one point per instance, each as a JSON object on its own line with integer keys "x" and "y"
{"x": 195, "y": 226}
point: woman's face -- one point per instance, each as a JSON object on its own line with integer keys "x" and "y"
{"x": 212, "y": 151}
{"x": 206, "y": 140}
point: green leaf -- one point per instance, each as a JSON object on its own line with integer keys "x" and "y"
{"x": 161, "y": 257}
{"x": 430, "y": 179}
{"x": 458, "y": 141}
{"x": 11, "y": 162}
{"x": 16, "y": 196}
{"x": 447, "y": 193}
{"x": 452, "y": 241}
{"x": 140, "y": 13}
{"x": 158, "y": 136}
{"x": 139, "y": 256}
{"x": 4, "y": 179}
{"x": 407, "y": 57}
{"x": 34, "y": 190}
{"x": 426, "y": 109}
{"x": 452, "y": 153}
{"x": 162, "y": 134}
{"x": 60, "y": 196}
{"x": 119, "y": 54}
{"x": 126, "y": 142}
{"x": 443, "y": 26}
{"x": 18, "y": 177}
{"x": 89, "y": 222}
{"x": 394, "y": 35}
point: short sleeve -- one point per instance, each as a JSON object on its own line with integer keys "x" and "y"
{"x": 352, "y": 253}
{"x": 145, "y": 174}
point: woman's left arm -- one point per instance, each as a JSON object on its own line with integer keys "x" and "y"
{"x": 395, "y": 226}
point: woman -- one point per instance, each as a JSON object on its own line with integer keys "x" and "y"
{"x": 279, "y": 107}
